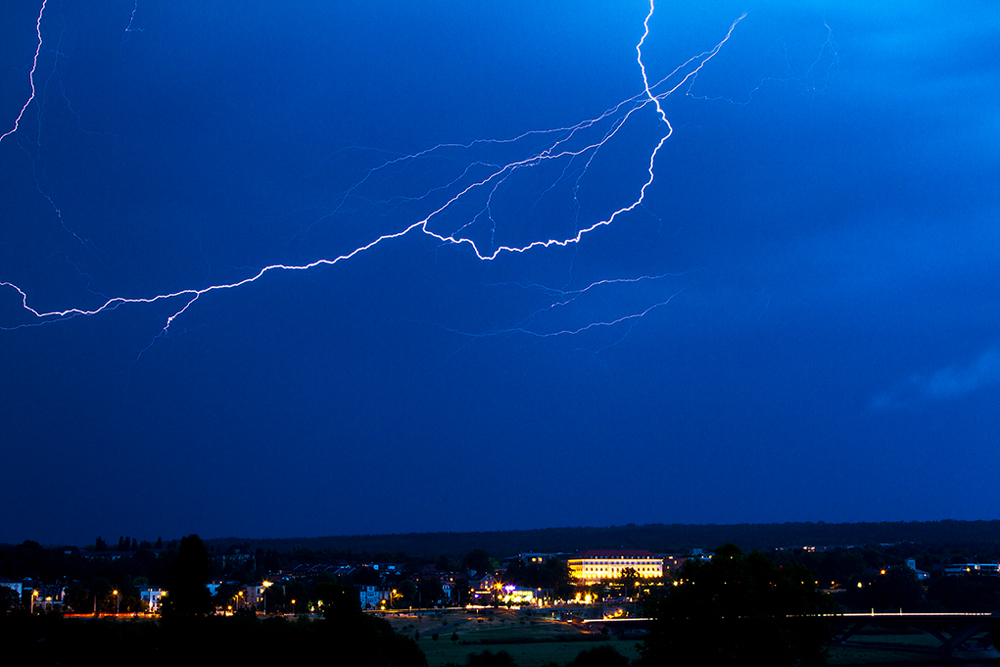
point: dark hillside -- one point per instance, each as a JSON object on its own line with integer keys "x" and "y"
{"x": 660, "y": 538}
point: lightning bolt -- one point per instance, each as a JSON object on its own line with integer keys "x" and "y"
{"x": 459, "y": 211}
{"x": 562, "y": 299}
{"x": 31, "y": 75}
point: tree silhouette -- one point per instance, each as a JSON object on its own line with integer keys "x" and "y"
{"x": 739, "y": 610}
{"x": 599, "y": 656}
{"x": 187, "y": 581}
{"x": 478, "y": 560}
{"x": 337, "y": 603}
{"x": 894, "y": 588}
{"x": 489, "y": 659}
{"x": 630, "y": 578}
{"x": 368, "y": 640}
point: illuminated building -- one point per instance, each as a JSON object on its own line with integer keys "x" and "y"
{"x": 373, "y": 597}
{"x": 483, "y": 589}
{"x": 594, "y": 565}
{"x": 965, "y": 569}
{"x": 152, "y": 597}
{"x": 517, "y": 595}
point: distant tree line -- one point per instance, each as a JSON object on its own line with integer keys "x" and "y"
{"x": 128, "y": 544}
{"x": 658, "y": 538}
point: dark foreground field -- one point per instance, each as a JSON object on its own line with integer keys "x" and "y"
{"x": 537, "y": 641}
{"x": 532, "y": 641}
{"x": 399, "y": 639}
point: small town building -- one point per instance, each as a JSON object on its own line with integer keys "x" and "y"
{"x": 594, "y": 565}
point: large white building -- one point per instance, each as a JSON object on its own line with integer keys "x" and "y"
{"x": 152, "y": 597}
{"x": 372, "y": 597}
{"x": 594, "y": 565}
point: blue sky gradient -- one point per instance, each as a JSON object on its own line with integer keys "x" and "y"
{"x": 799, "y": 322}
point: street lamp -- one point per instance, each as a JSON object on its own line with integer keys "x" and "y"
{"x": 266, "y": 584}
{"x": 118, "y": 602}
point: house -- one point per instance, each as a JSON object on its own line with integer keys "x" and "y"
{"x": 152, "y": 597}
{"x": 672, "y": 563}
{"x": 967, "y": 569}
{"x": 15, "y": 586}
{"x": 373, "y": 597}
{"x": 483, "y": 589}
{"x": 921, "y": 575}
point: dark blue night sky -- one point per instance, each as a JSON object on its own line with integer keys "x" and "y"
{"x": 798, "y": 321}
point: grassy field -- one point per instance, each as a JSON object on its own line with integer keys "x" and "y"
{"x": 531, "y": 641}
{"x": 535, "y": 641}
{"x": 862, "y": 656}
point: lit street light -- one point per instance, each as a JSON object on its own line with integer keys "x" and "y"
{"x": 266, "y": 584}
